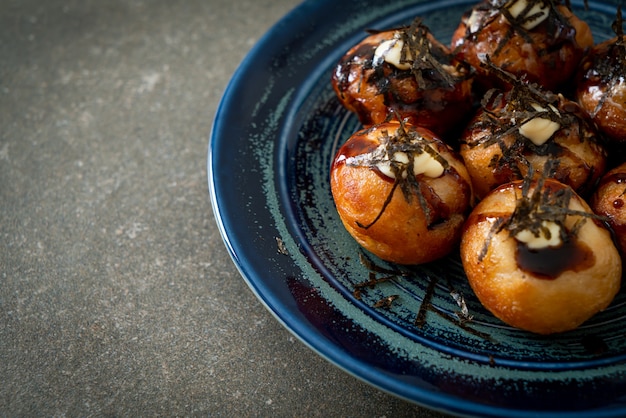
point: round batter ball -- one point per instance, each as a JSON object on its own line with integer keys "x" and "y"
{"x": 401, "y": 192}
{"x": 525, "y": 128}
{"x": 601, "y": 87}
{"x": 542, "y": 40}
{"x": 609, "y": 200}
{"x": 535, "y": 265}
{"x": 408, "y": 72}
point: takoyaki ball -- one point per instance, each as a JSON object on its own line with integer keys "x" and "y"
{"x": 401, "y": 192}
{"x": 537, "y": 258}
{"x": 406, "y": 71}
{"x": 541, "y": 39}
{"x": 609, "y": 200}
{"x": 601, "y": 87}
{"x": 525, "y": 128}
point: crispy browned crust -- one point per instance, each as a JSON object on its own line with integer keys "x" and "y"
{"x": 609, "y": 200}
{"x": 525, "y": 300}
{"x": 603, "y": 99}
{"x": 546, "y": 60}
{"x": 402, "y": 234}
{"x": 373, "y": 95}
{"x": 580, "y": 154}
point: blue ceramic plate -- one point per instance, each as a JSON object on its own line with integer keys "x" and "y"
{"x": 275, "y": 134}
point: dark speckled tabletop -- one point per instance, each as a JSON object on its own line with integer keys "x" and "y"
{"x": 117, "y": 294}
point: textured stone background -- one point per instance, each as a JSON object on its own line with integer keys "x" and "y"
{"x": 117, "y": 295}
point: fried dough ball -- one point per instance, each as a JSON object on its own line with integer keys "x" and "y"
{"x": 526, "y": 127}
{"x": 601, "y": 85}
{"x": 537, "y": 258}
{"x": 609, "y": 200}
{"x": 401, "y": 192}
{"x": 541, "y": 39}
{"x": 406, "y": 71}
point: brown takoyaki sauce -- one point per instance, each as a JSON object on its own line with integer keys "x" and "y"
{"x": 618, "y": 203}
{"x": 548, "y": 202}
{"x": 405, "y": 70}
{"x": 541, "y": 39}
{"x": 608, "y": 68}
{"x": 551, "y": 262}
{"x": 358, "y": 145}
{"x": 617, "y": 178}
{"x": 435, "y": 67}
{"x": 560, "y": 30}
{"x": 363, "y": 152}
{"x": 428, "y": 66}
{"x": 342, "y": 72}
{"x": 506, "y": 111}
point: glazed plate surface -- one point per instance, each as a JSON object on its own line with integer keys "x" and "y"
{"x": 276, "y": 131}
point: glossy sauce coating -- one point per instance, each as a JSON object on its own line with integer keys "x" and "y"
{"x": 374, "y": 90}
{"x": 608, "y": 201}
{"x": 546, "y": 291}
{"x": 495, "y": 153}
{"x": 601, "y": 88}
{"x": 548, "y": 54}
{"x": 549, "y": 263}
{"x": 407, "y": 220}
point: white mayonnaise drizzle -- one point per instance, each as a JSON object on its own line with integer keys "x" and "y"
{"x": 539, "y": 130}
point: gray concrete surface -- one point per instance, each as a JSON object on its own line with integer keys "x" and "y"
{"x": 117, "y": 295}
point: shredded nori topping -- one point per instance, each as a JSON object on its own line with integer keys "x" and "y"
{"x": 611, "y": 68}
{"x": 558, "y": 27}
{"x": 431, "y": 66}
{"x": 506, "y": 111}
{"x": 462, "y": 318}
{"x": 535, "y": 208}
{"x": 410, "y": 142}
